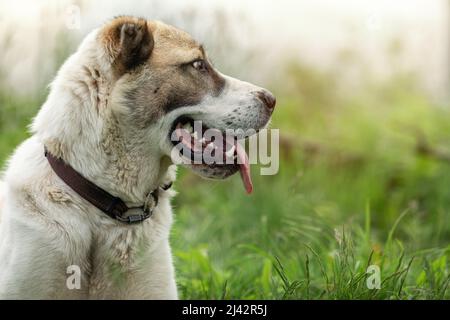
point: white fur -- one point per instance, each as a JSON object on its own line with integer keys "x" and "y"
{"x": 46, "y": 227}
{"x": 2, "y": 192}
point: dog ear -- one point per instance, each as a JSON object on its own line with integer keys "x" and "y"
{"x": 129, "y": 42}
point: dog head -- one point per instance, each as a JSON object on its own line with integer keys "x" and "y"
{"x": 167, "y": 84}
{"x": 156, "y": 82}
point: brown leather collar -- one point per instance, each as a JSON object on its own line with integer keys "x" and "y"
{"x": 113, "y": 206}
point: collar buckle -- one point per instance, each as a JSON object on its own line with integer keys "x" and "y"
{"x": 151, "y": 201}
{"x": 135, "y": 218}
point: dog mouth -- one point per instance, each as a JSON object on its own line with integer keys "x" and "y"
{"x": 211, "y": 149}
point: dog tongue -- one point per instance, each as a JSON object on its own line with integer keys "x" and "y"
{"x": 244, "y": 165}
{"x": 244, "y": 168}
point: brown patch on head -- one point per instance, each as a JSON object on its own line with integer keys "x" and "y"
{"x": 174, "y": 80}
{"x": 166, "y": 79}
{"x": 128, "y": 41}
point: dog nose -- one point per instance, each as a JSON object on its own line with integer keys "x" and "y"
{"x": 267, "y": 98}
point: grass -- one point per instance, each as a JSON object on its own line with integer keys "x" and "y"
{"x": 352, "y": 192}
{"x": 355, "y": 190}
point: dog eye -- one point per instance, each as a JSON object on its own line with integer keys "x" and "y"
{"x": 200, "y": 65}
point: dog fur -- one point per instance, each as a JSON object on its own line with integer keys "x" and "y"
{"x": 109, "y": 114}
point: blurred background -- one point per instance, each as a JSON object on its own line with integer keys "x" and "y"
{"x": 363, "y": 92}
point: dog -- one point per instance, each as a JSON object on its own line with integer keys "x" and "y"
{"x": 106, "y": 127}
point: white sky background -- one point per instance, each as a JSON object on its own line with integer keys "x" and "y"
{"x": 259, "y": 36}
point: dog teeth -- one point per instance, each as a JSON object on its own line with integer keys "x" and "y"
{"x": 230, "y": 152}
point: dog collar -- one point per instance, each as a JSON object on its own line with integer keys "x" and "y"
{"x": 112, "y": 206}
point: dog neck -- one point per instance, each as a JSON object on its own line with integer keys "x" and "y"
{"x": 77, "y": 124}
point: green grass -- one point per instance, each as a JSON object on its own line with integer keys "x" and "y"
{"x": 15, "y": 115}
{"x": 353, "y": 191}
